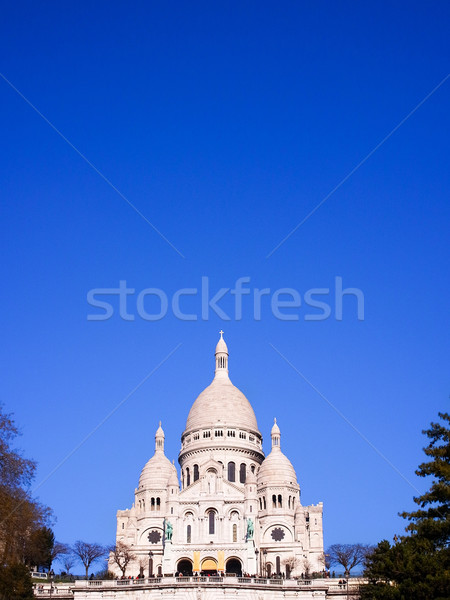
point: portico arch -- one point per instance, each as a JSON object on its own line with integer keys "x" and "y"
{"x": 184, "y": 566}
{"x": 234, "y": 565}
{"x": 209, "y": 566}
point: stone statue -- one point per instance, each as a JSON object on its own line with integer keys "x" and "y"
{"x": 250, "y": 529}
{"x": 168, "y": 528}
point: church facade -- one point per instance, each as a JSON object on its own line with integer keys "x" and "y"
{"x": 233, "y": 510}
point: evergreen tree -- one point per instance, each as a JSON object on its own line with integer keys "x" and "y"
{"x": 15, "y": 583}
{"x": 418, "y": 565}
{"x": 432, "y": 520}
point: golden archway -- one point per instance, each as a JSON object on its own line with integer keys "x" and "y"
{"x": 209, "y": 564}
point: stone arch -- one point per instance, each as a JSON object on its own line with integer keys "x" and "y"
{"x": 282, "y": 534}
{"x": 155, "y": 533}
{"x": 209, "y": 564}
{"x": 234, "y": 565}
{"x": 184, "y": 566}
{"x": 234, "y": 513}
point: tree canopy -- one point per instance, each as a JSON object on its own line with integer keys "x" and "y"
{"x": 24, "y": 532}
{"x": 347, "y": 555}
{"x": 418, "y": 565}
{"x": 88, "y": 553}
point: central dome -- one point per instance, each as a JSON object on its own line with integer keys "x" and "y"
{"x": 221, "y": 403}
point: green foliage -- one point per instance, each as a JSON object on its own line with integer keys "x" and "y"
{"x": 15, "y": 583}
{"x": 417, "y": 566}
{"x": 432, "y": 520}
{"x": 40, "y": 548}
{"x": 410, "y": 568}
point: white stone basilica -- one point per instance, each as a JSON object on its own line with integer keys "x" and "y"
{"x": 236, "y": 511}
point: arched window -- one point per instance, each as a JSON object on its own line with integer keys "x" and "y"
{"x": 152, "y": 504}
{"x": 196, "y": 473}
{"x": 123, "y": 525}
{"x": 242, "y": 472}
{"x": 188, "y": 477}
{"x": 231, "y": 471}
{"x": 278, "y": 565}
{"x": 251, "y": 508}
{"x": 158, "y": 503}
{"x": 269, "y": 569}
{"x": 274, "y": 501}
{"x": 280, "y": 501}
{"x": 289, "y": 502}
{"x": 235, "y": 533}
{"x": 212, "y": 522}
{"x": 264, "y": 502}
{"x": 188, "y": 534}
{"x": 260, "y": 504}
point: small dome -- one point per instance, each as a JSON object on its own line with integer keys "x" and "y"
{"x": 156, "y": 472}
{"x": 158, "y": 469}
{"x": 277, "y": 469}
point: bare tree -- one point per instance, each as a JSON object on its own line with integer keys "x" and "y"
{"x": 348, "y": 555}
{"x": 88, "y": 553}
{"x": 121, "y": 554}
{"x": 59, "y": 550}
{"x": 290, "y": 563}
{"x": 68, "y": 561}
{"x": 324, "y": 560}
{"x": 306, "y": 567}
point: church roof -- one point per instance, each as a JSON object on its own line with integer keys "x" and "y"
{"x": 158, "y": 469}
{"x": 156, "y": 472}
{"x": 276, "y": 468}
{"x": 221, "y": 403}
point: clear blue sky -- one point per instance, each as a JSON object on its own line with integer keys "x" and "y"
{"x": 225, "y": 124}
